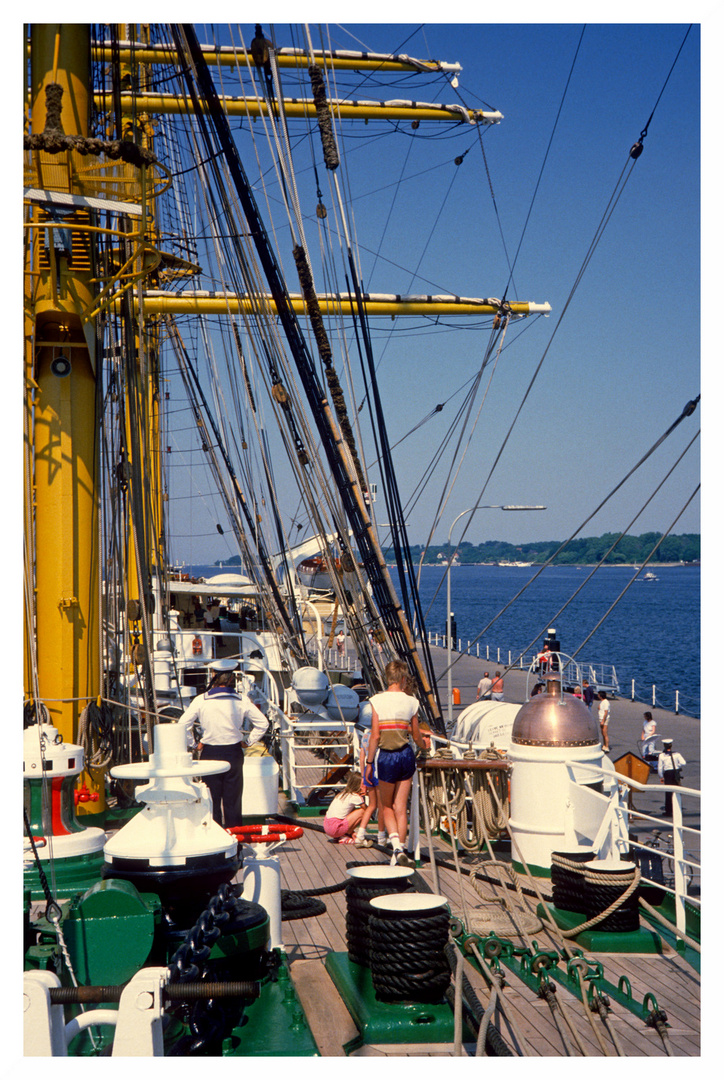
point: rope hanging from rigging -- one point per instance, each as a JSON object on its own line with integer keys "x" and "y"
{"x": 53, "y": 139}
{"x": 324, "y": 117}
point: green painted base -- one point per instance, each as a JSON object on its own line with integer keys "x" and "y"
{"x": 72, "y": 875}
{"x": 601, "y": 941}
{"x": 274, "y": 1025}
{"x": 535, "y": 871}
{"x": 693, "y": 929}
{"x": 387, "y": 1021}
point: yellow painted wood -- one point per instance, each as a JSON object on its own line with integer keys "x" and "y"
{"x": 174, "y": 304}
{"x": 298, "y": 108}
{"x": 63, "y": 532}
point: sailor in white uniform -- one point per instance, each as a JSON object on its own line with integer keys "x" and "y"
{"x": 671, "y": 763}
{"x": 230, "y": 722}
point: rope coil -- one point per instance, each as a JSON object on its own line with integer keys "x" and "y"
{"x": 360, "y": 910}
{"x": 407, "y": 955}
{"x": 607, "y": 897}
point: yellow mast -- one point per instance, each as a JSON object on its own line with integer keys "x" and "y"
{"x": 234, "y": 56}
{"x": 61, "y": 404}
{"x": 303, "y": 108}
{"x": 204, "y": 303}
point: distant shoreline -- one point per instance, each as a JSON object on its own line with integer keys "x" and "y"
{"x": 578, "y": 565}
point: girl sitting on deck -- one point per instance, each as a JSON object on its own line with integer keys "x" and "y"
{"x": 345, "y": 811}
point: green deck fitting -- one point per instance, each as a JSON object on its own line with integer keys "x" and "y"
{"x": 602, "y": 941}
{"x": 386, "y": 1021}
{"x": 274, "y": 1025}
{"x": 693, "y": 929}
{"x": 72, "y": 875}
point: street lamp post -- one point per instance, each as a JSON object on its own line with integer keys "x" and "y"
{"x": 480, "y": 506}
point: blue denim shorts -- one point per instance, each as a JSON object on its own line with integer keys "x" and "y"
{"x": 394, "y": 765}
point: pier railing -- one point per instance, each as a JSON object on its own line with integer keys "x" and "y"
{"x": 600, "y": 675}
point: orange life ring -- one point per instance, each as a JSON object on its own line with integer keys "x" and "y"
{"x": 197, "y": 646}
{"x": 265, "y": 834}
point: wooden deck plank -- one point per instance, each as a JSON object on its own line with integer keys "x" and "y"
{"x": 313, "y": 861}
{"x": 331, "y": 1024}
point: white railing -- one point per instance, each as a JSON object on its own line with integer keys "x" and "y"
{"x": 686, "y": 864}
{"x": 297, "y": 734}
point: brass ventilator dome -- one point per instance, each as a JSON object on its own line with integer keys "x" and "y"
{"x": 553, "y": 718}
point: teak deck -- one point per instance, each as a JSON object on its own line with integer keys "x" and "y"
{"x": 313, "y": 861}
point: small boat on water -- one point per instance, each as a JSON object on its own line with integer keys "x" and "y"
{"x": 174, "y": 315}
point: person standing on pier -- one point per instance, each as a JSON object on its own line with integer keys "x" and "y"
{"x": 604, "y": 712}
{"x": 394, "y": 719}
{"x": 671, "y": 763}
{"x": 484, "y": 688}
{"x": 648, "y": 737}
{"x": 496, "y": 690}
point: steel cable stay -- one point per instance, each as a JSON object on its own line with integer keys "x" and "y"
{"x": 545, "y": 160}
{"x": 471, "y": 382}
{"x": 497, "y": 337}
{"x": 613, "y": 547}
{"x": 645, "y": 129}
{"x": 529, "y": 388}
{"x": 645, "y": 563}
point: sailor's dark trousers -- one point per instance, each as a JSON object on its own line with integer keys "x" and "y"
{"x": 226, "y": 788}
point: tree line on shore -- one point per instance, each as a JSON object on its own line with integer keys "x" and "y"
{"x": 685, "y": 548}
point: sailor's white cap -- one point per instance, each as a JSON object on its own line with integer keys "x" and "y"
{"x": 227, "y": 663}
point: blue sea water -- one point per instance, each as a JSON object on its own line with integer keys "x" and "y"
{"x": 652, "y": 635}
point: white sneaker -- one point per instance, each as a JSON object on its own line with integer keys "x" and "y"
{"x": 403, "y": 859}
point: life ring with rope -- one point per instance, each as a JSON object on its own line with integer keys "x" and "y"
{"x": 265, "y": 834}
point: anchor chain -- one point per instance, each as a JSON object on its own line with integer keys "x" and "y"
{"x": 208, "y": 1019}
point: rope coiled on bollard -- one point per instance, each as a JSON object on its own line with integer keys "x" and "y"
{"x": 407, "y": 956}
{"x": 359, "y": 911}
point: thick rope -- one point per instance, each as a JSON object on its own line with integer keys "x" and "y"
{"x": 617, "y": 903}
{"x": 53, "y": 140}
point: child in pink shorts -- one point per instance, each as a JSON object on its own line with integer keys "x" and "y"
{"x": 345, "y": 811}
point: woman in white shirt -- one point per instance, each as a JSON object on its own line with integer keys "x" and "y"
{"x": 604, "y": 711}
{"x": 394, "y": 719}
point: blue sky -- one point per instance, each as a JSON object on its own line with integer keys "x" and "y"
{"x": 626, "y": 358}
